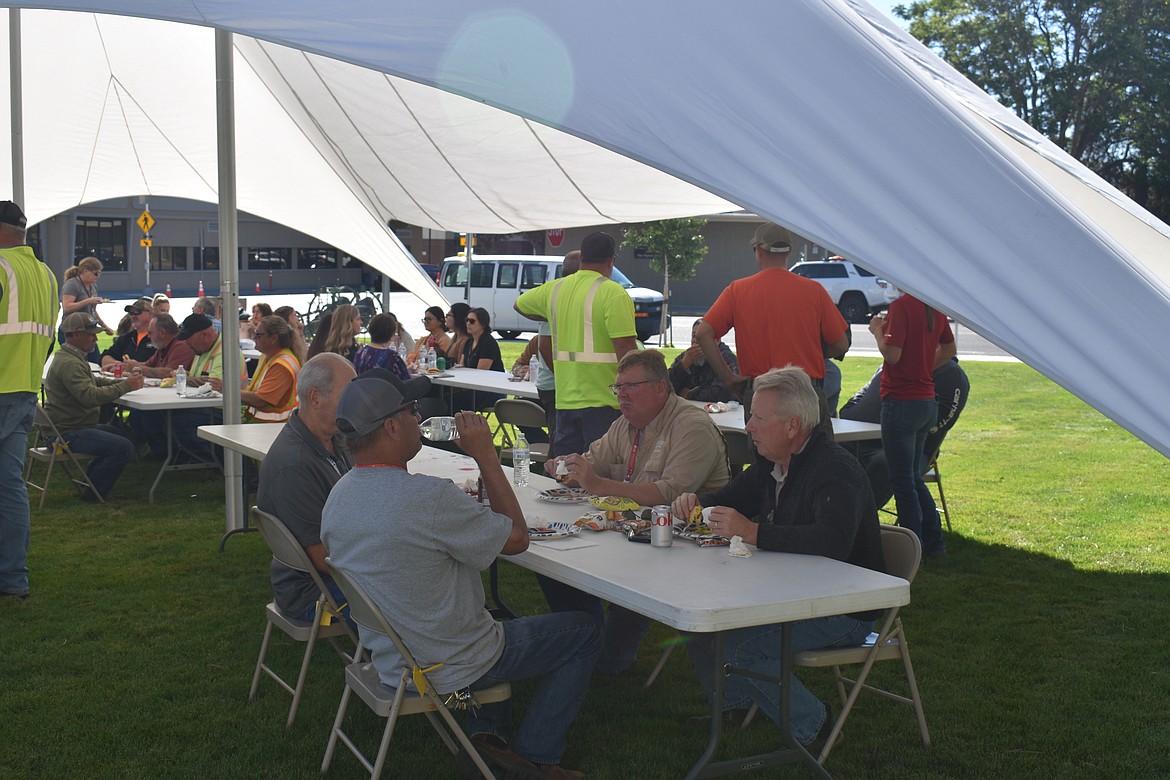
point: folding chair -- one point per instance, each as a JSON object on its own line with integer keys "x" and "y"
{"x": 903, "y": 553}
{"x": 514, "y": 412}
{"x": 387, "y": 702}
{"x": 934, "y": 476}
{"x": 48, "y": 447}
{"x": 740, "y": 453}
{"x": 286, "y": 549}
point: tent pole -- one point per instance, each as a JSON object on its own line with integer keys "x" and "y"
{"x": 229, "y": 271}
{"x": 16, "y": 106}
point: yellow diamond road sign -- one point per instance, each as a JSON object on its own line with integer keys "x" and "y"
{"x": 145, "y": 221}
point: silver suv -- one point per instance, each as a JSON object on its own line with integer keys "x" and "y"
{"x": 857, "y": 292}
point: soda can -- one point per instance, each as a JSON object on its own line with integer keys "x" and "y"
{"x": 441, "y": 363}
{"x": 661, "y": 533}
{"x": 117, "y": 371}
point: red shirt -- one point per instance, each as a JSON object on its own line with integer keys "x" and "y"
{"x": 912, "y": 377}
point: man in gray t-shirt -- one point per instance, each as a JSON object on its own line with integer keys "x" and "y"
{"x": 417, "y": 544}
{"x": 298, "y": 472}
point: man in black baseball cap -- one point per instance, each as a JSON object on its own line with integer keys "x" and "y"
{"x": 373, "y": 397}
{"x": 135, "y": 343}
{"x": 11, "y": 214}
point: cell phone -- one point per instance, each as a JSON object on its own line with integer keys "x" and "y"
{"x": 640, "y": 536}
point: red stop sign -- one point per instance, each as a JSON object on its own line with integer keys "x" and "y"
{"x": 555, "y": 237}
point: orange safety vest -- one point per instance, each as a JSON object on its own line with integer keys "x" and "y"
{"x": 284, "y": 410}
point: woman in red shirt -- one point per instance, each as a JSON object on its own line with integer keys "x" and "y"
{"x": 914, "y": 339}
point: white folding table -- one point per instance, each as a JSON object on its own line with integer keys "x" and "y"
{"x": 689, "y": 588}
{"x": 166, "y": 399}
{"x": 843, "y": 430}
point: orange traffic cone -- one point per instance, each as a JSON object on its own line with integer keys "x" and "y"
{"x": 257, "y": 287}
{"x": 201, "y": 293}
{"x": 168, "y": 290}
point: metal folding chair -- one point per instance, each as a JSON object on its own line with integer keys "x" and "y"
{"x": 286, "y": 549}
{"x": 514, "y": 412}
{"x": 903, "y": 553}
{"x": 49, "y": 447}
{"x": 404, "y": 699}
{"x": 934, "y": 476}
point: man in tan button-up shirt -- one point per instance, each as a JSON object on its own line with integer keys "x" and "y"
{"x": 660, "y": 448}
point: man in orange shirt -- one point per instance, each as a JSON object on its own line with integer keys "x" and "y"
{"x": 779, "y": 318}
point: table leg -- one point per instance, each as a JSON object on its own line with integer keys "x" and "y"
{"x": 169, "y": 463}
{"x": 794, "y": 751}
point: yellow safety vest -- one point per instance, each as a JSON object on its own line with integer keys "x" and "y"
{"x": 284, "y": 411}
{"x": 28, "y": 313}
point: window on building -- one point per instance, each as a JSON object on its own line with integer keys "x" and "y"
{"x": 269, "y": 258}
{"x": 103, "y": 238}
{"x": 168, "y": 258}
{"x": 316, "y": 258}
{"x": 207, "y": 258}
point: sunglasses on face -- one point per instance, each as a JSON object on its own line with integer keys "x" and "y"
{"x": 471, "y": 321}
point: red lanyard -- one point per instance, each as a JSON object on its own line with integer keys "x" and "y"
{"x": 633, "y": 455}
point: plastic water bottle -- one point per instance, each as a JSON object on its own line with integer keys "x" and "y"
{"x": 432, "y": 360}
{"x": 533, "y": 369}
{"x": 180, "y": 381}
{"x": 520, "y": 461}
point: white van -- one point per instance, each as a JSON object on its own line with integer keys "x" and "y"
{"x": 498, "y": 280}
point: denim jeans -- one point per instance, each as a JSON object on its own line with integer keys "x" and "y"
{"x": 338, "y": 598}
{"x": 757, "y": 649}
{"x": 904, "y": 428}
{"x": 16, "y": 417}
{"x": 561, "y": 649}
{"x": 152, "y": 426}
{"x": 622, "y": 630}
{"x": 111, "y": 449}
{"x": 578, "y": 428}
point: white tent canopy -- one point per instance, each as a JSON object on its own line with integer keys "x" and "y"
{"x": 819, "y": 114}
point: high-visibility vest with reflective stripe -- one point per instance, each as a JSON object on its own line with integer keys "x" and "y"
{"x": 28, "y": 313}
{"x": 284, "y": 410}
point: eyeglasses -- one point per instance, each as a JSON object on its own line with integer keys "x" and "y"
{"x": 412, "y": 407}
{"x": 96, "y": 273}
{"x": 471, "y": 321}
{"x": 615, "y": 389}
{"x": 136, "y": 312}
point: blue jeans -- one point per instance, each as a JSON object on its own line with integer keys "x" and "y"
{"x": 904, "y": 428}
{"x": 622, "y": 631}
{"x": 111, "y": 449}
{"x": 16, "y": 417}
{"x": 338, "y": 598}
{"x": 152, "y": 426}
{"x": 561, "y": 649}
{"x": 578, "y": 428}
{"x": 757, "y": 649}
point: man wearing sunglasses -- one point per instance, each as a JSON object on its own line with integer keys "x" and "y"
{"x": 135, "y": 342}
{"x": 418, "y": 545}
{"x": 660, "y": 448}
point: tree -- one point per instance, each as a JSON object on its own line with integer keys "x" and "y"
{"x": 675, "y": 247}
{"x": 1091, "y": 75}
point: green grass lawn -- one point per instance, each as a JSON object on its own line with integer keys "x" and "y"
{"x": 1039, "y": 642}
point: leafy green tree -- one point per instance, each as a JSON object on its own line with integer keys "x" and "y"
{"x": 676, "y": 248}
{"x": 1091, "y": 75}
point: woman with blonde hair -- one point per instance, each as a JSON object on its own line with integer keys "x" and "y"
{"x": 160, "y": 303}
{"x": 80, "y": 292}
{"x": 271, "y": 395}
{"x": 343, "y": 331}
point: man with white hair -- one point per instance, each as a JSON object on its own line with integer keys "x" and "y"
{"x": 302, "y": 466}
{"x": 807, "y": 495}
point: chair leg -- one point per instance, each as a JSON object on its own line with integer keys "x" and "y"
{"x": 336, "y": 732}
{"x": 260, "y": 660}
{"x": 942, "y": 498}
{"x": 48, "y": 481}
{"x": 391, "y": 720}
{"x": 472, "y": 753}
{"x": 309, "y": 645}
{"x": 915, "y": 697}
{"x": 658, "y": 666}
